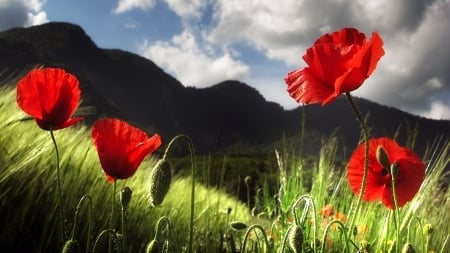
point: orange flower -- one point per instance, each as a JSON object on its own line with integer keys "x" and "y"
{"x": 327, "y": 210}
{"x": 340, "y": 217}
{"x": 337, "y": 63}
{"x": 121, "y": 147}
{"x": 51, "y": 96}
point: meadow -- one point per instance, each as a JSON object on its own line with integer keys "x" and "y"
{"x": 311, "y": 205}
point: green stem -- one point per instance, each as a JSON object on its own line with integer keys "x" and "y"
{"x": 191, "y": 151}
{"x": 420, "y": 229}
{"x": 247, "y": 233}
{"x": 58, "y": 181}
{"x": 395, "y": 212}
{"x": 75, "y": 222}
{"x": 366, "y": 159}
{"x": 308, "y": 203}
{"x": 302, "y": 134}
{"x": 124, "y": 242}
{"x": 285, "y": 238}
{"x": 100, "y": 236}
{"x": 111, "y": 222}
{"x": 325, "y": 233}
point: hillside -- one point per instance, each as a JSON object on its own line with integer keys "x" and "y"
{"x": 121, "y": 84}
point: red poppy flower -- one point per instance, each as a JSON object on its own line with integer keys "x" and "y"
{"x": 51, "y": 96}
{"x": 121, "y": 147}
{"x": 410, "y": 171}
{"x": 337, "y": 63}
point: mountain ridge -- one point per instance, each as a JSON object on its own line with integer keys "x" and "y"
{"x": 121, "y": 84}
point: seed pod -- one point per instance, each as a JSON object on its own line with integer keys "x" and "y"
{"x": 238, "y": 225}
{"x": 153, "y": 247}
{"x": 295, "y": 239}
{"x": 71, "y": 246}
{"x": 382, "y": 157}
{"x": 160, "y": 179}
{"x": 125, "y": 197}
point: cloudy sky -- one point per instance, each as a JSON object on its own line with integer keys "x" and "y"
{"x": 203, "y": 42}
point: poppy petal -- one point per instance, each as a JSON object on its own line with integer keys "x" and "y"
{"x": 121, "y": 147}
{"x": 379, "y": 183}
{"x": 50, "y": 95}
{"x": 337, "y": 63}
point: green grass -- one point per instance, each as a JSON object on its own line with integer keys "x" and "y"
{"x": 29, "y": 204}
{"x": 288, "y": 200}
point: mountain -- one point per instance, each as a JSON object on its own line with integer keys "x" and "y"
{"x": 117, "y": 83}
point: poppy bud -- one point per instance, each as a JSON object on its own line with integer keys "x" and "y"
{"x": 71, "y": 246}
{"x": 160, "y": 179}
{"x": 408, "y": 248}
{"x": 238, "y": 225}
{"x": 125, "y": 197}
{"x": 119, "y": 242}
{"x": 382, "y": 157}
{"x": 153, "y": 247}
{"x": 295, "y": 239}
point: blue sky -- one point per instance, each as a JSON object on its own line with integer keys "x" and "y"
{"x": 203, "y": 42}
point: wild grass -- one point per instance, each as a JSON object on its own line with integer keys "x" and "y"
{"x": 29, "y": 205}
{"x": 304, "y": 190}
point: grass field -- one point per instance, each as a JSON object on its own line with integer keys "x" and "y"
{"x": 312, "y": 196}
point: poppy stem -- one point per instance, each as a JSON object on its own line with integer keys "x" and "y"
{"x": 247, "y": 233}
{"x": 366, "y": 159}
{"x": 111, "y": 222}
{"x": 58, "y": 182}
{"x": 191, "y": 152}
{"x": 395, "y": 211}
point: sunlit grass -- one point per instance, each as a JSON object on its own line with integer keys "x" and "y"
{"x": 27, "y": 186}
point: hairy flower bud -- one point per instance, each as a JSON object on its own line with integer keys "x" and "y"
{"x": 295, "y": 238}
{"x": 71, "y": 246}
{"x": 153, "y": 247}
{"x": 160, "y": 179}
{"x": 238, "y": 225}
{"x": 125, "y": 197}
{"x": 382, "y": 157}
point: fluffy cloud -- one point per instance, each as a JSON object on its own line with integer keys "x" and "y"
{"x": 20, "y": 13}
{"x": 413, "y": 75}
{"x": 191, "y": 64}
{"x": 187, "y": 8}
{"x": 127, "y": 5}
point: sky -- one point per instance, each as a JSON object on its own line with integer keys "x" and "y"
{"x": 204, "y": 42}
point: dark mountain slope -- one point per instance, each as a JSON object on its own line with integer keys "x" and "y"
{"x": 116, "y": 83}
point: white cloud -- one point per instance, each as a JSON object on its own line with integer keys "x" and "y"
{"x": 128, "y": 5}
{"x": 190, "y": 64}
{"x": 415, "y": 68}
{"x": 410, "y": 75}
{"x": 415, "y": 32}
{"x": 21, "y": 13}
{"x": 438, "y": 110}
{"x": 187, "y": 8}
